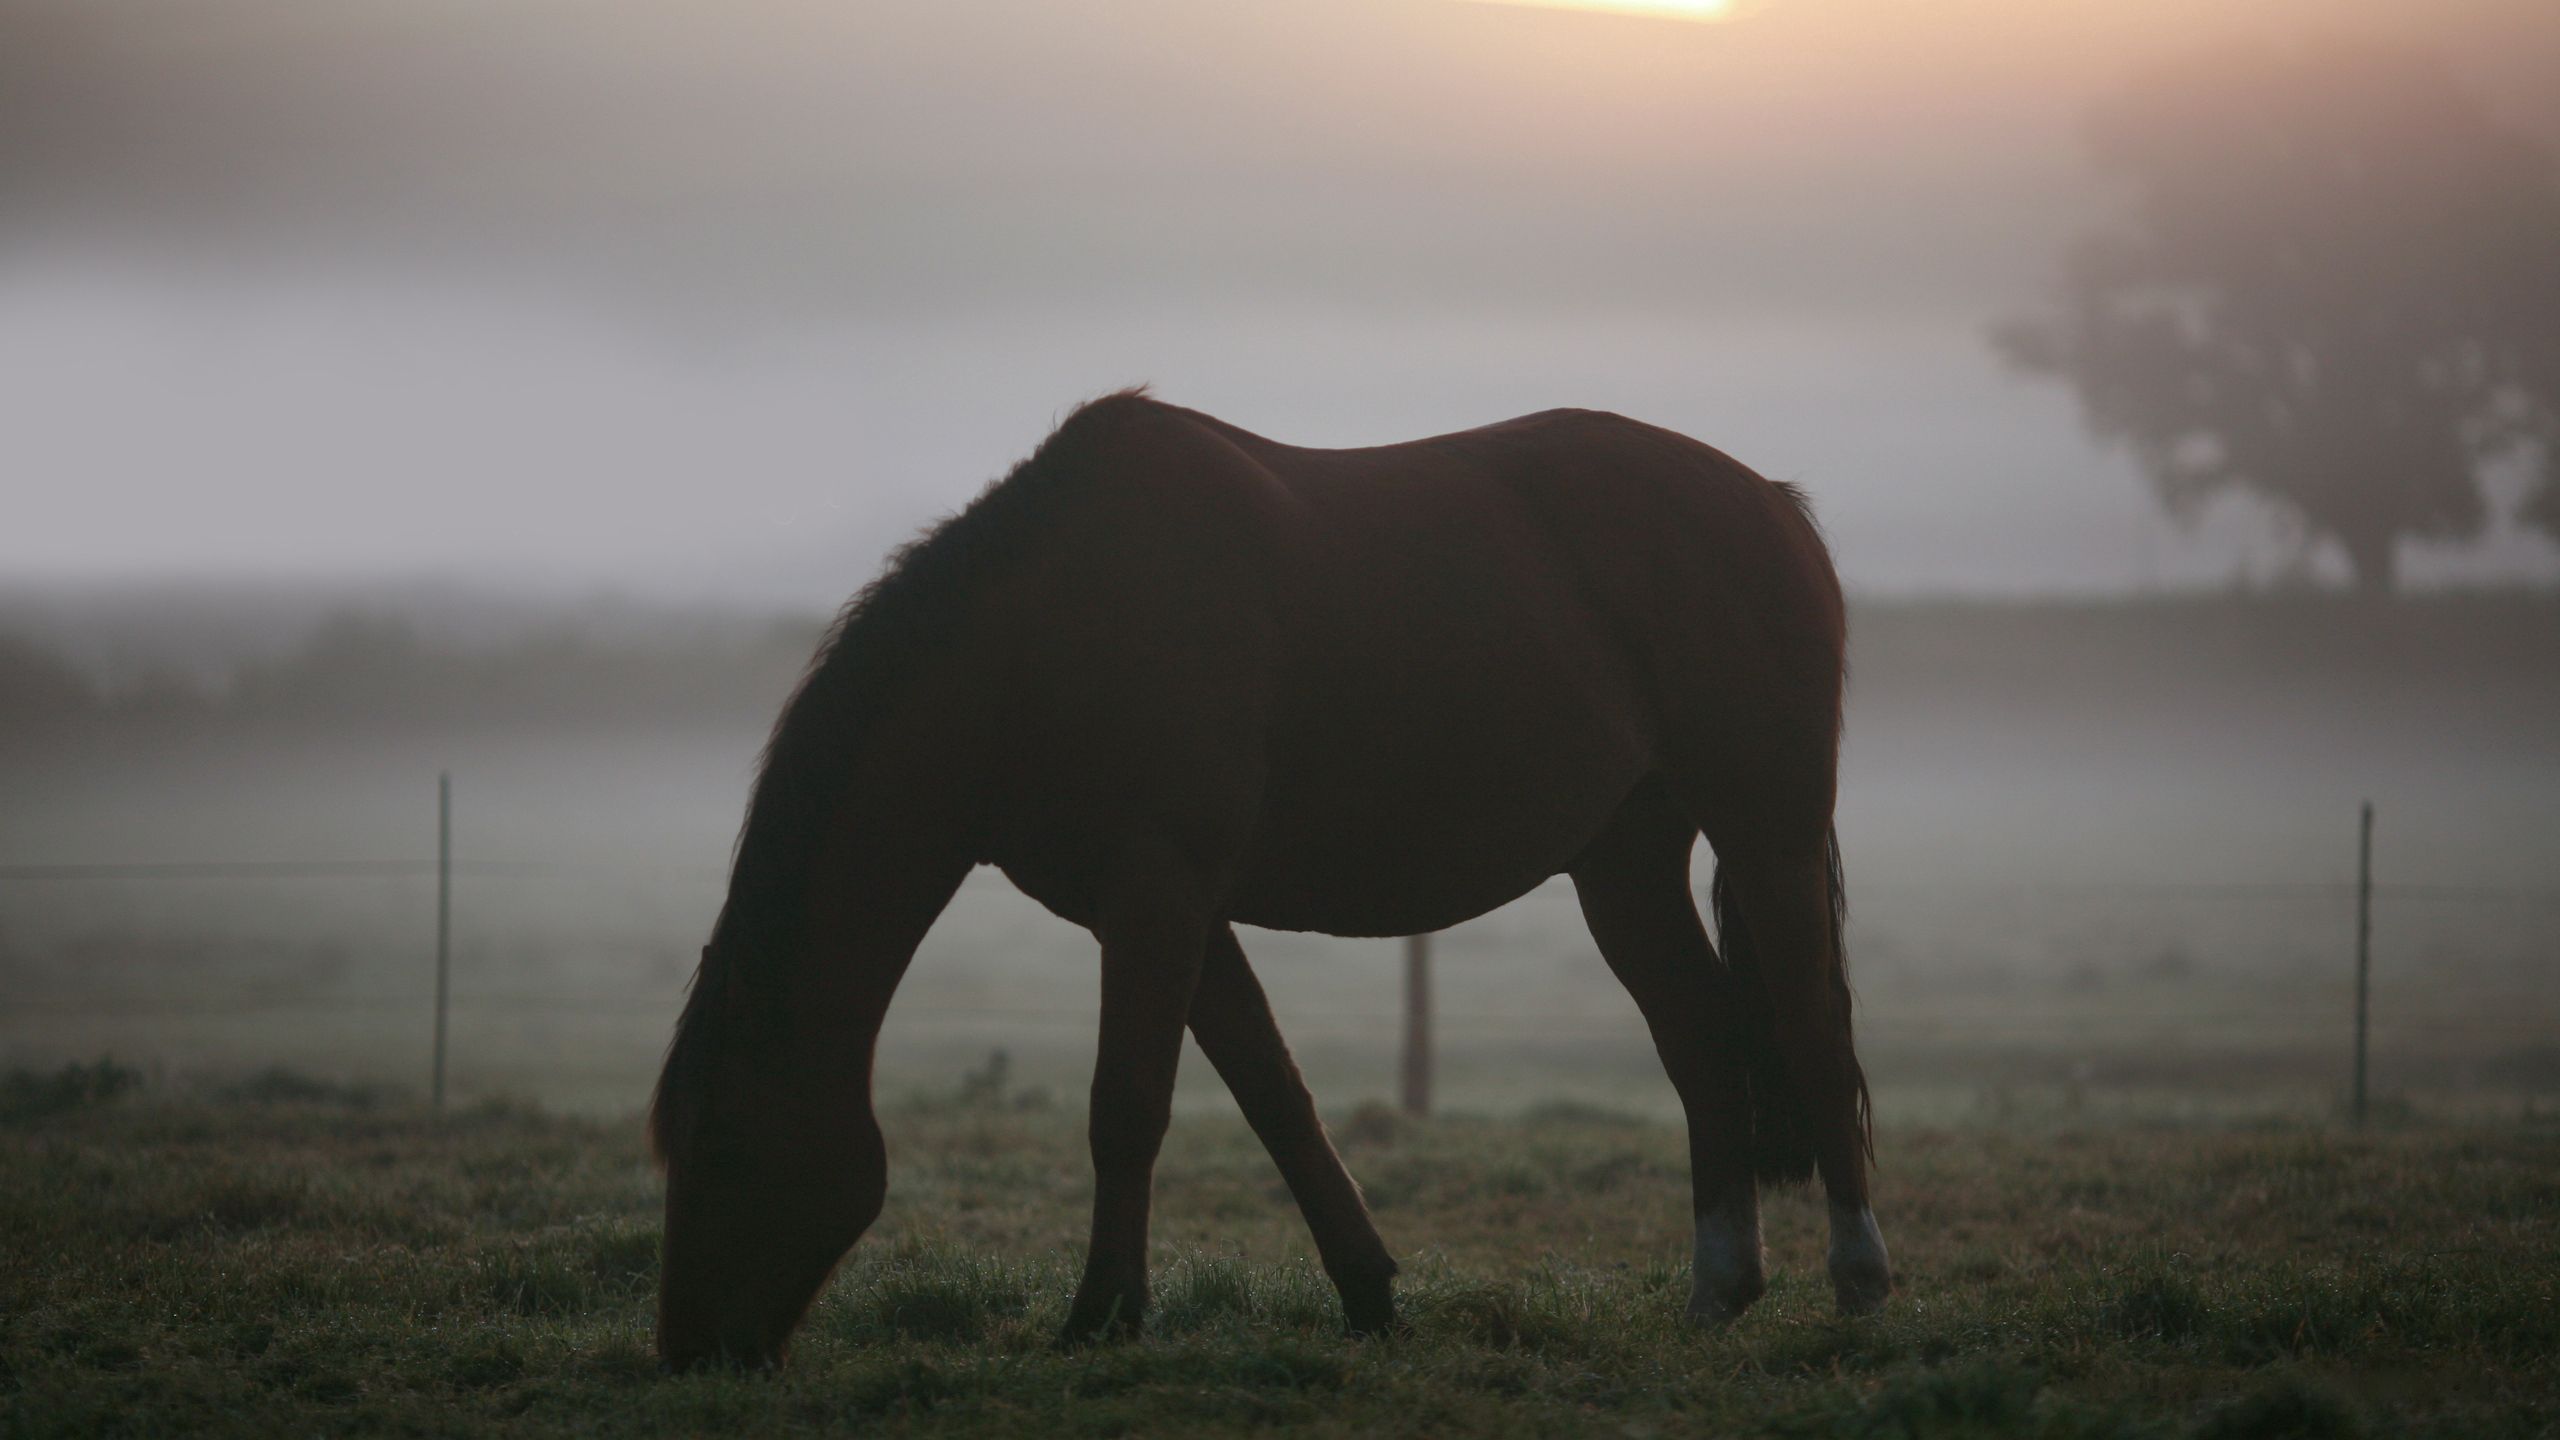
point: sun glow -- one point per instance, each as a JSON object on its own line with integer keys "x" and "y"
{"x": 1664, "y": 9}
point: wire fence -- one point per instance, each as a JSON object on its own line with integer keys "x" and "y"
{"x": 2192, "y": 1014}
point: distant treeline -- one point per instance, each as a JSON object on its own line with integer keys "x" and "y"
{"x": 2504, "y": 643}
{"x": 371, "y": 673}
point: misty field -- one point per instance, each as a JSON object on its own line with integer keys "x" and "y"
{"x": 293, "y": 1259}
{"x": 2099, "y": 856}
{"x": 2101, "y": 866}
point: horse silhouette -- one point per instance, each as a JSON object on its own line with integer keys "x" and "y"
{"x": 1170, "y": 676}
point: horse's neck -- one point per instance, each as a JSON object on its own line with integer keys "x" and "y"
{"x": 882, "y": 869}
{"x": 876, "y": 839}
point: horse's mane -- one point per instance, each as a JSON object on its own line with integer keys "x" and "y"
{"x": 1803, "y": 503}
{"x": 890, "y": 627}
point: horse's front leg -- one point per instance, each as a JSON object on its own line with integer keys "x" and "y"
{"x": 1153, "y": 930}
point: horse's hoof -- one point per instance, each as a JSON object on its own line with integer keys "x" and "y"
{"x": 1369, "y": 1311}
{"x": 1728, "y": 1271}
{"x": 1715, "y": 1309}
{"x": 1861, "y": 1271}
{"x": 703, "y": 1358}
{"x": 1862, "y": 1295}
{"x": 1099, "y": 1324}
{"x": 1380, "y": 1324}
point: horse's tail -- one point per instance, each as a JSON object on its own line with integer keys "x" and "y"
{"x": 1782, "y": 1147}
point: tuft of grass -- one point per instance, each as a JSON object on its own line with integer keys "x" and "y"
{"x": 486, "y": 1362}
{"x": 2287, "y": 1410}
{"x": 27, "y": 1095}
{"x": 2158, "y": 1299}
{"x": 276, "y": 1085}
{"x": 938, "y": 1293}
{"x": 1580, "y": 1115}
{"x": 1969, "y": 1400}
{"x": 572, "y": 1270}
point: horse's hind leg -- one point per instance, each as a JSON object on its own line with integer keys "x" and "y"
{"x": 1634, "y": 887}
{"x": 1232, "y": 1021}
{"x": 1785, "y": 906}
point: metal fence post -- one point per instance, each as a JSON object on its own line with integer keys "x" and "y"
{"x": 2364, "y": 953}
{"x": 444, "y": 919}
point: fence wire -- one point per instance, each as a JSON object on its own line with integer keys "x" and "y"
{"x": 2243, "y": 1023}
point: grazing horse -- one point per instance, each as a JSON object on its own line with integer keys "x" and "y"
{"x": 1172, "y": 677}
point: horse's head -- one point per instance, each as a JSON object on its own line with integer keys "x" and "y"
{"x": 775, "y": 1167}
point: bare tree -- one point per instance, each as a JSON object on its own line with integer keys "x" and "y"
{"x": 2337, "y": 288}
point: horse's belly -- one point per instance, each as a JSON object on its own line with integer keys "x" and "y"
{"x": 1286, "y": 892}
{"x": 1450, "y": 833}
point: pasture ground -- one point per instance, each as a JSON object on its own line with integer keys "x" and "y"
{"x": 297, "y": 1262}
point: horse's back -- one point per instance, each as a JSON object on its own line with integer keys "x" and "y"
{"x": 1650, "y": 573}
{"x": 1419, "y": 677}
{"x": 1495, "y": 635}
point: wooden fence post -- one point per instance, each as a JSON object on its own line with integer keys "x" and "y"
{"x": 1417, "y": 1025}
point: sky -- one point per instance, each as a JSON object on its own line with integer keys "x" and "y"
{"x": 715, "y": 302}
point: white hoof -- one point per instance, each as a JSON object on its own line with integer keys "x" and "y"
{"x": 1861, "y": 1271}
{"x": 1727, "y": 1271}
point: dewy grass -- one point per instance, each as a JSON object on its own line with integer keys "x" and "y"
{"x": 291, "y": 1263}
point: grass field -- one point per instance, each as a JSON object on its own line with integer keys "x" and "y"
{"x": 288, "y": 1261}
